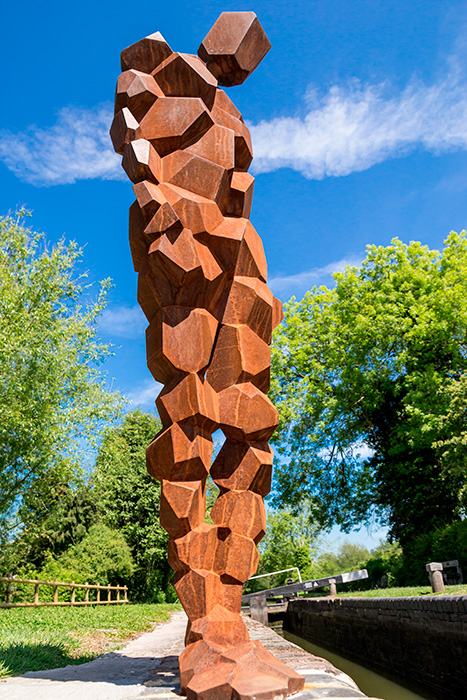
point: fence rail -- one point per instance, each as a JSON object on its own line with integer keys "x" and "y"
{"x": 10, "y": 580}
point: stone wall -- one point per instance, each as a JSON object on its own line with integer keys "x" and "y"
{"x": 421, "y": 641}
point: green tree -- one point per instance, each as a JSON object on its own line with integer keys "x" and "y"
{"x": 54, "y": 398}
{"x": 101, "y": 556}
{"x": 370, "y": 382}
{"x": 385, "y": 565}
{"x": 349, "y": 557}
{"x": 130, "y": 501}
{"x": 59, "y": 516}
{"x": 290, "y": 540}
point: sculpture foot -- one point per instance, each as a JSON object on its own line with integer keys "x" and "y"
{"x": 243, "y": 672}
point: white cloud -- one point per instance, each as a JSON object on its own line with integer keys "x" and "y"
{"x": 145, "y": 394}
{"x": 285, "y": 286}
{"x": 346, "y": 130}
{"x": 77, "y": 147}
{"x": 123, "y": 321}
{"x": 354, "y": 127}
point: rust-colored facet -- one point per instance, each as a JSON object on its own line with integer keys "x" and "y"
{"x": 174, "y": 122}
{"x": 202, "y": 286}
{"x": 185, "y": 75}
{"x": 243, "y": 466}
{"x": 234, "y": 47}
{"x": 137, "y": 91}
{"x": 146, "y": 54}
{"x": 241, "y": 194}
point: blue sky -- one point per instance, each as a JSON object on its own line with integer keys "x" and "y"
{"x": 358, "y": 116}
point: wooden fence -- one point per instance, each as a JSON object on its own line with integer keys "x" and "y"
{"x": 11, "y": 580}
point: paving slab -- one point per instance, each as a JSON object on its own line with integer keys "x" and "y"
{"x": 147, "y": 669}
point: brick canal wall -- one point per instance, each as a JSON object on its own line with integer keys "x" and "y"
{"x": 421, "y": 641}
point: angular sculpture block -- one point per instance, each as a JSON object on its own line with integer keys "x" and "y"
{"x": 189, "y": 399}
{"x": 141, "y": 161}
{"x": 146, "y": 54}
{"x": 241, "y": 195}
{"x": 240, "y": 356}
{"x": 184, "y": 75}
{"x": 182, "y": 506}
{"x": 180, "y": 454}
{"x": 234, "y": 47}
{"x": 123, "y": 129}
{"x": 242, "y": 466}
{"x": 173, "y": 123}
{"x": 167, "y": 352}
{"x": 241, "y": 512}
{"x": 202, "y": 276}
{"x": 198, "y": 214}
{"x": 218, "y": 146}
{"x": 137, "y": 91}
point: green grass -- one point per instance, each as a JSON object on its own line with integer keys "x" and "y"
{"x": 400, "y": 592}
{"x": 42, "y": 638}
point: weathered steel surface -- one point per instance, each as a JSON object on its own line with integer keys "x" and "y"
{"x": 202, "y": 286}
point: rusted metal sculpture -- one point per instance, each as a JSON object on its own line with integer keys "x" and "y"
{"x": 202, "y": 285}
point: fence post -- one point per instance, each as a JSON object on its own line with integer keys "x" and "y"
{"x": 36, "y": 594}
{"x": 118, "y": 594}
{"x": 55, "y": 592}
{"x": 126, "y": 594}
{"x": 109, "y": 593}
{"x": 98, "y": 594}
{"x": 86, "y": 594}
{"x": 8, "y": 591}
{"x": 332, "y": 587}
{"x": 72, "y": 593}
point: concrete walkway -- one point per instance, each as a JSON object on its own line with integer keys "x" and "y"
{"x": 147, "y": 668}
{"x": 119, "y": 675}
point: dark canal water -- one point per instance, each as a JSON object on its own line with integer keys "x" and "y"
{"x": 369, "y": 682}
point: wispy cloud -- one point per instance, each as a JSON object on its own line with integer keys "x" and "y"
{"x": 346, "y": 130}
{"x": 356, "y": 126}
{"x": 146, "y": 394}
{"x": 77, "y": 147}
{"x": 286, "y": 285}
{"x": 123, "y": 321}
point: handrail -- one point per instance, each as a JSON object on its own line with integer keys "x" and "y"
{"x": 9, "y": 580}
{"x": 282, "y": 571}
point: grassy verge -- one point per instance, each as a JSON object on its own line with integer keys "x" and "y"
{"x": 406, "y": 591}
{"x": 395, "y": 592}
{"x": 42, "y": 638}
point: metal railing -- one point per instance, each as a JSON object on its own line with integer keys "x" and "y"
{"x": 282, "y": 571}
{"x": 292, "y": 589}
{"x": 11, "y": 580}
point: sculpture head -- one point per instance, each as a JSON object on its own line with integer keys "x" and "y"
{"x": 234, "y": 47}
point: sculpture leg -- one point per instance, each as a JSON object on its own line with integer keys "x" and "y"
{"x": 220, "y": 662}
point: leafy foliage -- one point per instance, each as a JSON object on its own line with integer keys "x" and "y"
{"x": 130, "y": 502}
{"x": 291, "y": 540}
{"x": 443, "y": 544}
{"x": 370, "y": 381}
{"x": 53, "y": 397}
{"x": 102, "y": 556}
{"x": 384, "y": 565}
{"x": 349, "y": 557}
{"x": 59, "y": 516}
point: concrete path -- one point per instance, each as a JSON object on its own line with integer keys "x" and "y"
{"x": 119, "y": 675}
{"x": 147, "y": 668}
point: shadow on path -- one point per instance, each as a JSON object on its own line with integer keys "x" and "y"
{"x": 112, "y": 668}
{"x": 19, "y": 658}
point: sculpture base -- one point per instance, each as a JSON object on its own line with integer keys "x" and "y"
{"x": 243, "y": 672}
